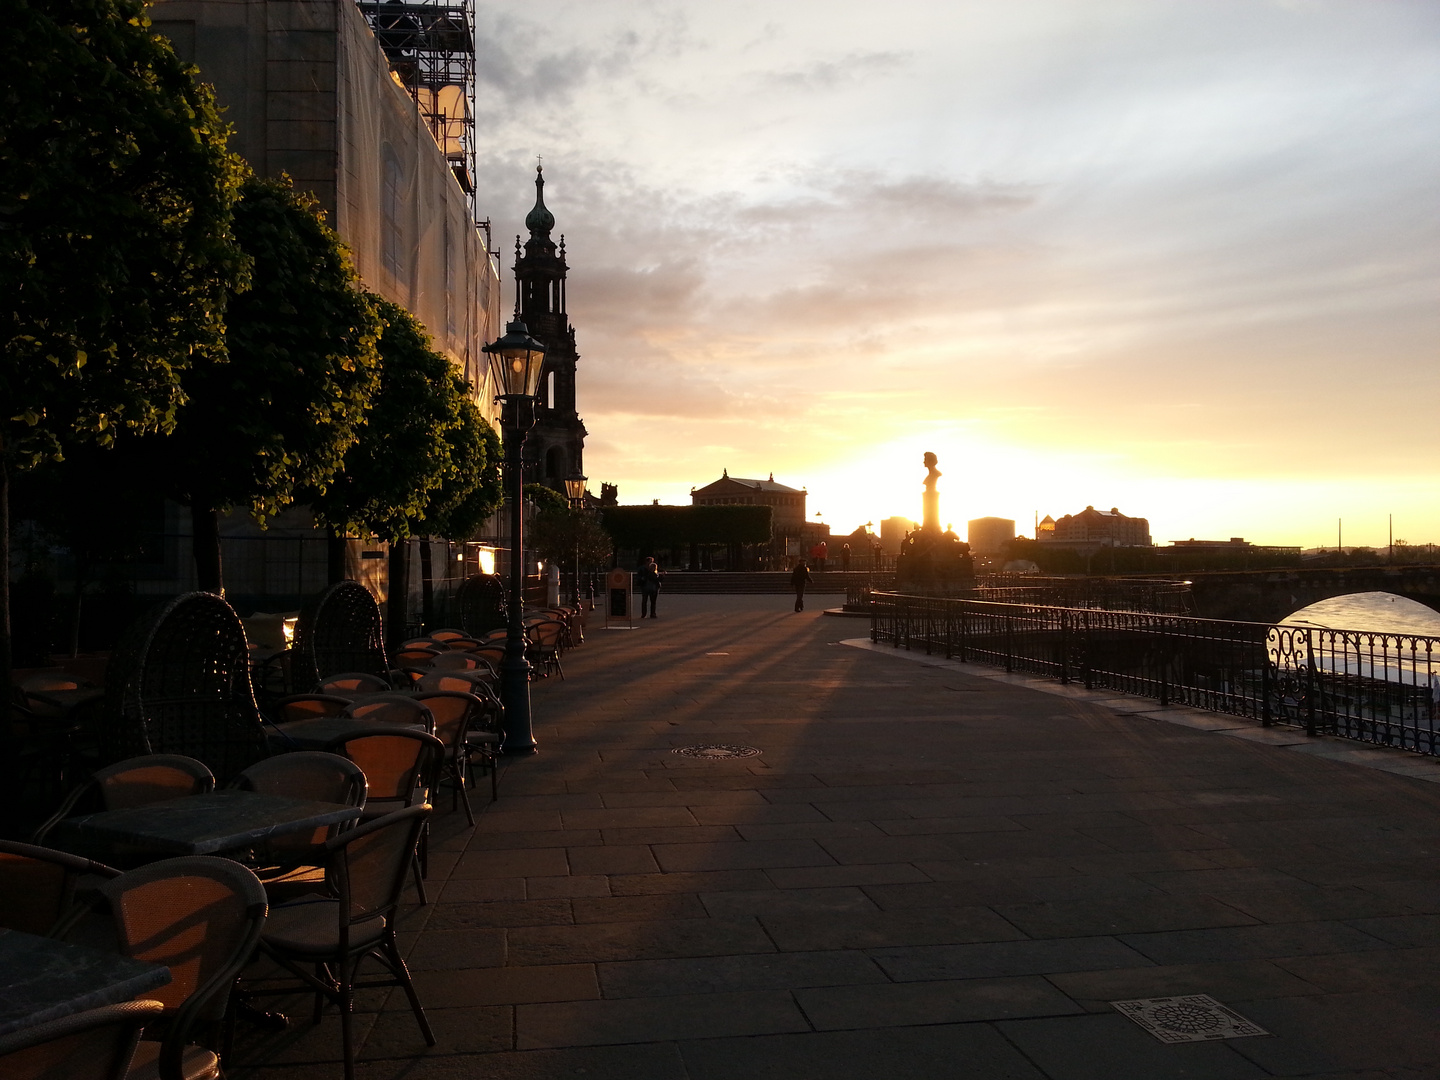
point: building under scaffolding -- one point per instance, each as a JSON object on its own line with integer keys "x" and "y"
{"x": 431, "y": 50}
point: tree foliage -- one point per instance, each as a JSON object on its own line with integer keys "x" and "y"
{"x": 545, "y": 498}
{"x": 278, "y": 414}
{"x": 411, "y": 445}
{"x": 561, "y": 535}
{"x": 651, "y": 528}
{"x": 116, "y": 249}
{"x": 472, "y": 489}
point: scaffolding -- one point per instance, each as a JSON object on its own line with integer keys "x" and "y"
{"x": 431, "y": 49}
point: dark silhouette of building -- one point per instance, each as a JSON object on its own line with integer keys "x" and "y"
{"x": 556, "y": 446}
{"x": 1103, "y": 528}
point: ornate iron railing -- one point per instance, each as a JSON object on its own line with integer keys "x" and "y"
{"x": 1378, "y": 688}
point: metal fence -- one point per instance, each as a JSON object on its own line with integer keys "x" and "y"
{"x": 1374, "y": 687}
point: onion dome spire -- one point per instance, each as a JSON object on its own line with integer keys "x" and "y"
{"x": 539, "y": 221}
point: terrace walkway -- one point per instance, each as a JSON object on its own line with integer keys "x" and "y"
{"x": 925, "y": 874}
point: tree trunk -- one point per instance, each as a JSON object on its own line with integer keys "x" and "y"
{"x": 82, "y": 572}
{"x": 397, "y": 591}
{"x": 334, "y": 556}
{"x": 205, "y": 544}
{"x": 5, "y": 670}
{"x": 427, "y": 586}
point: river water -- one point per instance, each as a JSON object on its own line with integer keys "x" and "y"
{"x": 1373, "y": 612}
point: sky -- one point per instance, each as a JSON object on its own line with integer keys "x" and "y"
{"x": 1182, "y": 259}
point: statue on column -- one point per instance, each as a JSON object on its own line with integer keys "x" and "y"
{"x": 932, "y": 560}
{"x": 930, "y": 520}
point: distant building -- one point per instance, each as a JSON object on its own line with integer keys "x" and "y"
{"x": 892, "y": 533}
{"x": 787, "y": 504}
{"x": 989, "y": 535}
{"x": 1091, "y": 527}
{"x": 1045, "y": 529}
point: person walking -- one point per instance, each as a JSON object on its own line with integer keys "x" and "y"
{"x": 648, "y": 577}
{"x": 798, "y": 580}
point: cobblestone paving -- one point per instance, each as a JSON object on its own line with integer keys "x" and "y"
{"x": 925, "y": 874}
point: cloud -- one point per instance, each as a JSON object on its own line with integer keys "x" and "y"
{"x": 829, "y": 74}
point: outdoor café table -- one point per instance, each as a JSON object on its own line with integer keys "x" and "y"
{"x": 42, "y": 979}
{"x": 202, "y": 824}
{"x": 320, "y": 733}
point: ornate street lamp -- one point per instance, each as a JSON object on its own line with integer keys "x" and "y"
{"x": 515, "y": 362}
{"x": 575, "y": 491}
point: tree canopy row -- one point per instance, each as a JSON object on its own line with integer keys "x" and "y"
{"x": 173, "y": 323}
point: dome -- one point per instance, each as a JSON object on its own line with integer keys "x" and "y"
{"x": 539, "y": 220}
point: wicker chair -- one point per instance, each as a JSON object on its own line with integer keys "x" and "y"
{"x": 339, "y": 630}
{"x": 179, "y": 683}
{"x": 322, "y": 943}
{"x": 293, "y": 863}
{"x": 482, "y": 603}
{"x": 94, "y": 1045}
{"x": 201, "y": 917}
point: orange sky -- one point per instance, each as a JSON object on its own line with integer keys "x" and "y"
{"x": 1179, "y": 259}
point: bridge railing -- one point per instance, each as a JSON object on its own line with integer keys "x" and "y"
{"x": 1374, "y": 687}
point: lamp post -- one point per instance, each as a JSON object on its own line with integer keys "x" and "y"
{"x": 515, "y": 362}
{"x": 575, "y": 491}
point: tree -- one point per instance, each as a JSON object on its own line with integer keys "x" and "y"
{"x": 279, "y": 412}
{"x": 563, "y": 535}
{"x": 545, "y": 498}
{"x": 471, "y": 490}
{"x": 116, "y": 251}
{"x": 402, "y": 460}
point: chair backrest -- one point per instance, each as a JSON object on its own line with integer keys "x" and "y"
{"x": 455, "y": 661}
{"x": 453, "y": 711}
{"x": 179, "y": 683}
{"x": 462, "y": 644}
{"x": 152, "y": 778}
{"x": 446, "y": 634}
{"x": 393, "y": 710}
{"x": 51, "y": 681}
{"x": 494, "y": 655}
{"x": 482, "y": 603}
{"x": 307, "y": 774}
{"x": 37, "y": 885}
{"x": 354, "y": 682}
{"x": 457, "y": 681}
{"x": 415, "y": 655}
{"x": 309, "y": 707}
{"x": 93, "y": 1045}
{"x": 368, "y": 865}
{"x": 339, "y": 630}
{"x": 399, "y": 762}
{"x": 198, "y": 915}
{"x": 547, "y": 633}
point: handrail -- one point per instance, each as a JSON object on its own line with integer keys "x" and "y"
{"x": 1359, "y": 684}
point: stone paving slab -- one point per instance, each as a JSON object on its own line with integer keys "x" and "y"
{"x": 930, "y": 870}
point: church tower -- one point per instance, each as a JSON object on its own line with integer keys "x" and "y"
{"x": 555, "y": 448}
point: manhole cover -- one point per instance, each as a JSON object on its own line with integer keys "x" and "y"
{"x": 716, "y": 751}
{"x": 1193, "y": 1018}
